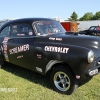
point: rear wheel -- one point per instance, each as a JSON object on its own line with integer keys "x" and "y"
{"x": 63, "y": 80}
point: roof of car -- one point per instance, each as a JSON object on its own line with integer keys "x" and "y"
{"x": 30, "y": 20}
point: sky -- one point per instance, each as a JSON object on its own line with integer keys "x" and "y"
{"x": 46, "y": 8}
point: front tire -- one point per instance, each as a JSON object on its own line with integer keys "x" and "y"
{"x": 63, "y": 80}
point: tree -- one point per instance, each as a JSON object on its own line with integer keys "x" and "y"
{"x": 87, "y": 16}
{"x": 96, "y": 16}
{"x": 73, "y": 17}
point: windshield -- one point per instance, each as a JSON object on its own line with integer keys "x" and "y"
{"x": 47, "y": 27}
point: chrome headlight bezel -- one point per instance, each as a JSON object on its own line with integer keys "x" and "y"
{"x": 90, "y": 56}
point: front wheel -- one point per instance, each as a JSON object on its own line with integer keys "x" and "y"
{"x": 63, "y": 80}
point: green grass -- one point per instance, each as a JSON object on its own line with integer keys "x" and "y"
{"x": 33, "y": 86}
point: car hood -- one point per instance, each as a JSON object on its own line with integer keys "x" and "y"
{"x": 91, "y": 42}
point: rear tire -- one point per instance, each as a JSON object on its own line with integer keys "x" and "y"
{"x": 63, "y": 80}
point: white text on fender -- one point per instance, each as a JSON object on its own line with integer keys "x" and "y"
{"x": 19, "y": 49}
{"x": 56, "y": 49}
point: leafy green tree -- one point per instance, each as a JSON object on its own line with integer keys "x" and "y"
{"x": 87, "y": 16}
{"x": 96, "y": 16}
{"x": 73, "y": 17}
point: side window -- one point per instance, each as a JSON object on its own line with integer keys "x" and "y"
{"x": 14, "y": 30}
{"x": 22, "y": 30}
{"x": 91, "y": 28}
{"x": 95, "y": 28}
{"x": 5, "y": 31}
{"x": 25, "y": 29}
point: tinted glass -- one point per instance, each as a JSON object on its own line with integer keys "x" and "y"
{"x": 23, "y": 29}
{"x": 91, "y": 28}
{"x": 5, "y": 31}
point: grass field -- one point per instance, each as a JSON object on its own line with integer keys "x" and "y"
{"x": 20, "y": 84}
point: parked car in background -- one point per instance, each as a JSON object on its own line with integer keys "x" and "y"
{"x": 93, "y": 30}
{"x": 42, "y": 45}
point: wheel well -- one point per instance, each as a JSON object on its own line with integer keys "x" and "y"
{"x": 1, "y": 53}
{"x": 58, "y": 64}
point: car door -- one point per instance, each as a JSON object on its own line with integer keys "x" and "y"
{"x": 21, "y": 45}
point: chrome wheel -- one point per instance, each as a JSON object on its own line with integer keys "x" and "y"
{"x": 61, "y": 81}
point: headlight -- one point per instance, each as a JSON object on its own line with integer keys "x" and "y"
{"x": 90, "y": 56}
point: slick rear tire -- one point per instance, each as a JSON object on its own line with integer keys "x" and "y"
{"x": 63, "y": 80}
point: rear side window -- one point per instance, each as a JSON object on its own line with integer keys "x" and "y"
{"x": 22, "y": 30}
{"x": 91, "y": 28}
{"x": 14, "y": 30}
{"x": 5, "y": 31}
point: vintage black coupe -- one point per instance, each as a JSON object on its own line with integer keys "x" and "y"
{"x": 93, "y": 30}
{"x": 42, "y": 45}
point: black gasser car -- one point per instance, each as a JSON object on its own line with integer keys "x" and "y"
{"x": 93, "y": 30}
{"x": 42, "y": 45}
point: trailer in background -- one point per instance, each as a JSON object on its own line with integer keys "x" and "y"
{"x": 70, "y": 26}
{"x": 76, "y": 26}
{"x": 84, "y": 25}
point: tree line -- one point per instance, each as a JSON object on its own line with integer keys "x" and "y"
{"x": 85, "y": 17}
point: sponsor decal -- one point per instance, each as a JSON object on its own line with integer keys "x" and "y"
{"x": 59, "y": 39}
{"x": 52, "y": 38}
{"x": 5, "y": 45}
{"x": 5, "y": 40}
{"x": 19, "y": 49}
{"x": 19, "y": 56}
{"x": 39, "y": 47}
{"x": 39, "y": 56}
{"x": 5, "y": 48}
{"x": 30, "y": 33}
{"x": 20, "y": 34}
{"x": 5, "y": 51}
{"x": 56, "y": 49}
